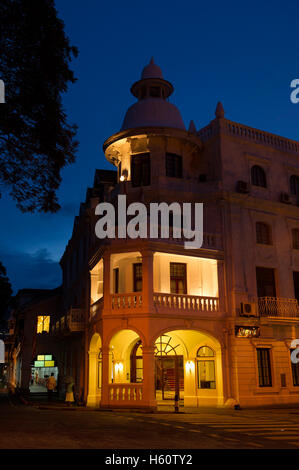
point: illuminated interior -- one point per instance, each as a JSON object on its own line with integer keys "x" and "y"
{"x": 43, "y": 324}
{"x": 201, "y": 274}
{"x": 123, "y": 262}
{"x": 97, "y": 282}
{"x": 42, "y": 368}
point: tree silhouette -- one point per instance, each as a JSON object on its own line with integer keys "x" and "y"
{"x": 36, "y": 141}
{"x": 5, "y": 295}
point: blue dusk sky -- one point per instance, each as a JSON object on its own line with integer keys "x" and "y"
{"x": 244, "y": 54}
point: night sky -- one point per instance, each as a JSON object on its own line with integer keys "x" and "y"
{"x": 244, "y": 54}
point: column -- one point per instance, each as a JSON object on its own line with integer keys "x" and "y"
{"x": 92, "y": 382}
{"x": 147, "y": 280}
{"x": 221, "y": 286}
{"x": 105, "y": 377}
{"x": 149, "y": 398}
{"x": 107, "y": 290}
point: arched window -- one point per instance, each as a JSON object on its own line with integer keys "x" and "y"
{"x": 294, "y": 185}
{"x": 258, "y": 176}
{"x": 206, "y": 377}
{"x": 137, "y": 363}
{"x": 263, "y": 233}
{"x": 295, "y": 238}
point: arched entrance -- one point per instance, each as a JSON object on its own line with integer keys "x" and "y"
{"x": 95, "y": 371}
{"x": 126, "y": 365}
{"x": 169, "y": 369}
{"x": 188, "y": 363}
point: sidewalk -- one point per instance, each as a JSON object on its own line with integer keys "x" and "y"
{"x": 41, "y": 402}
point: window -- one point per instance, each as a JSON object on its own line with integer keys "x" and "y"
{"x": 258, "y": 176}
{"x": 264, "y": 367}
{"x": 43, "y": 324}
{"x": 295, "y": 238}
{"x": 263, "y": 233}
{"x": 178, "y": 282}
{"x": 295, "y": 372}
{"x": 137, "y": 273}
{"x": 116, "y": 280}
{"x": 141, "y": 170}
{"x": 265, "y": 279}
{"x": 44, "y": 361}
{"x": 173, "y": 165}
{"x": 206, "y": 368}
{"x": 294, "y": 185}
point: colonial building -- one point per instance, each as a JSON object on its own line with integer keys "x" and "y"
{"x": 142, "y": 320}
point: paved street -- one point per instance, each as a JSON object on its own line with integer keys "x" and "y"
{"x": 28, "y": 427}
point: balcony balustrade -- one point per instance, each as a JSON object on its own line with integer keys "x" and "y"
{"x": 166, "y": 302}
{"x": 277, "y": 307}
{"x": 182, "y": 302}
{"x": 124, "y": 394}
{"x": 74, "y": 321}
{"x": 126, "y": 301}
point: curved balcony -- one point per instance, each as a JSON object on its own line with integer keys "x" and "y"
{"x": 165, "y": 302}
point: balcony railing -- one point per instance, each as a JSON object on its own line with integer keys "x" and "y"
{"x": 186, "y": 302}
{"x": 124, "y": 394}
{"x": 126, "y": 301}
{"x": 277, "y": 307}
{"x": 72, "y": 322}
{"x": 164, "y": 301}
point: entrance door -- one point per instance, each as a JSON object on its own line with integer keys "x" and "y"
{"x": 169, "y": 377}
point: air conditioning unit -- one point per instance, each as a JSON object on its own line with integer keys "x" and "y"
{"x": 285, "y": 198}
{"x": 248, "y": 310}
{"x": 242, "y": 187}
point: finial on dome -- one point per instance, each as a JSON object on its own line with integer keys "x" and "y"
{"x": 152, "y": 70}
{"x": 219, "y": 112}
{"x": 192, "y": 128}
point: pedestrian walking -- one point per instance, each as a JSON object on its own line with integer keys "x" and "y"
{"x": 51, "y": 385}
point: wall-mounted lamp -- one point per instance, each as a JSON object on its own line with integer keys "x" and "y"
{"x": 119, "y": 367}
{"x": 124, "y": 175}
{"x": 190, "y": 367}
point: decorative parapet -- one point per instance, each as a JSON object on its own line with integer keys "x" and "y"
{"x": 248, "y": 133}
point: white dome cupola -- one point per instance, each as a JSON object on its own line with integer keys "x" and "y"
{"x": 152, "y": 108}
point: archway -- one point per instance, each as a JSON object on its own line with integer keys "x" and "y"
{"x": 95, "y": 371}
{"x": 125, "y": 362}
{"x": 188, "y": 363}
{"x": 169, "y": 368}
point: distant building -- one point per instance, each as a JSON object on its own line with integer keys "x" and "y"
{"x": 138, "y": 321}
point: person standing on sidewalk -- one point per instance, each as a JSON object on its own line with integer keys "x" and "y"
{"x": 69, "y": 389}
{"x": 51, "y": 385}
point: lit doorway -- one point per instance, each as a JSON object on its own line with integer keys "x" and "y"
{"x": 43, "y": 366}
{"x": 169, "y": 369}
